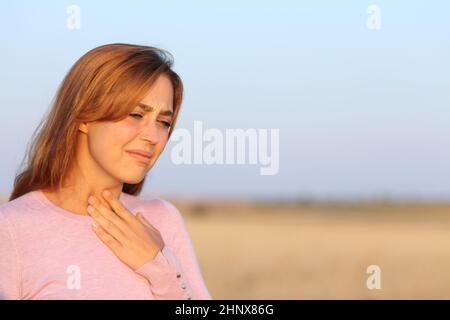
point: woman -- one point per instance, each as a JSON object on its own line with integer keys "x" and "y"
{"x": 74, "y": 227}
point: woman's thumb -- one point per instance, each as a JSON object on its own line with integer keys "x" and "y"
{"x": 142, "y": 218}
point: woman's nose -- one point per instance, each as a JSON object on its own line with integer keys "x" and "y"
{"x": 151, "y": 133}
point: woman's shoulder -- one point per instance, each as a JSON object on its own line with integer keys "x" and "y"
{"x": 153, "y": 203}
{"x": 16, "y": 212}
{"x": 155, "y": 208}
{"x": 19, "y": 206}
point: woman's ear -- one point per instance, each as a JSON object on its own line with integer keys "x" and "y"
{"x": 83, "y": 128}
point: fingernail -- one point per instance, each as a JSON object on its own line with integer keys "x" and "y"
{"x": 90, "y": 209}
{"x": 91, "y": 200}
{"x": 107, "y": 193}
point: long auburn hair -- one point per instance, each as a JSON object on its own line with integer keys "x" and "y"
{"x": 105, "y": 84}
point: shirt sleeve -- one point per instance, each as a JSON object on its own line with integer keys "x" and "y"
{"x": 9, "y": 263}
{"x": 174, "y": 274}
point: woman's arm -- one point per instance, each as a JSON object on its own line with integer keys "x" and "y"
{"x": 175, "y": 273}
{"x": 9, "y": 262}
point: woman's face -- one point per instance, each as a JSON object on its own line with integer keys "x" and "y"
{"x": 145, "y": 130}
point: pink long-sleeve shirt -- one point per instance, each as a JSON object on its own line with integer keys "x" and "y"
{"x": 47, "y": 252}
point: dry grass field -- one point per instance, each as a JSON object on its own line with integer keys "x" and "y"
{"x": 321, "y": 251}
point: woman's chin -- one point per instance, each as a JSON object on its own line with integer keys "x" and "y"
{"x": 133, "y": 179}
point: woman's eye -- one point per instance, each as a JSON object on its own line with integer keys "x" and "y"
{"x": 166, "y": 124}
{"x": 139, "y": 116}
{"x": 136, "y": 115}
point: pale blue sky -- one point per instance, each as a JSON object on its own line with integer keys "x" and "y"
{"x": 361, "y": 113}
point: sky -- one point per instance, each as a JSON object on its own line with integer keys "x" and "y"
{"x": 362, "y": 113}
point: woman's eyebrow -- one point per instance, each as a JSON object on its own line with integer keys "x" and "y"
{"x": 148, "y": 108}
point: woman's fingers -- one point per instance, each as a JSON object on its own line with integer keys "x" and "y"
{"x": 142, "y": 219}
{"x": 118, "y": 208}
{"x": 106, "y": 238}
{"x": 101, "y": 216}
{"x": 147, "y": 223}
{"x": 155, "y": 234}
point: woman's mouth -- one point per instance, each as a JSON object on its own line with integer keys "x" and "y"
{"x": 139, "y": 157}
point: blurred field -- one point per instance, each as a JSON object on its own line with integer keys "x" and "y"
{"x": 312, "y": 251}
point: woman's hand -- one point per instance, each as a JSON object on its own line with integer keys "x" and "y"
{"x": 132, "y": 238}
